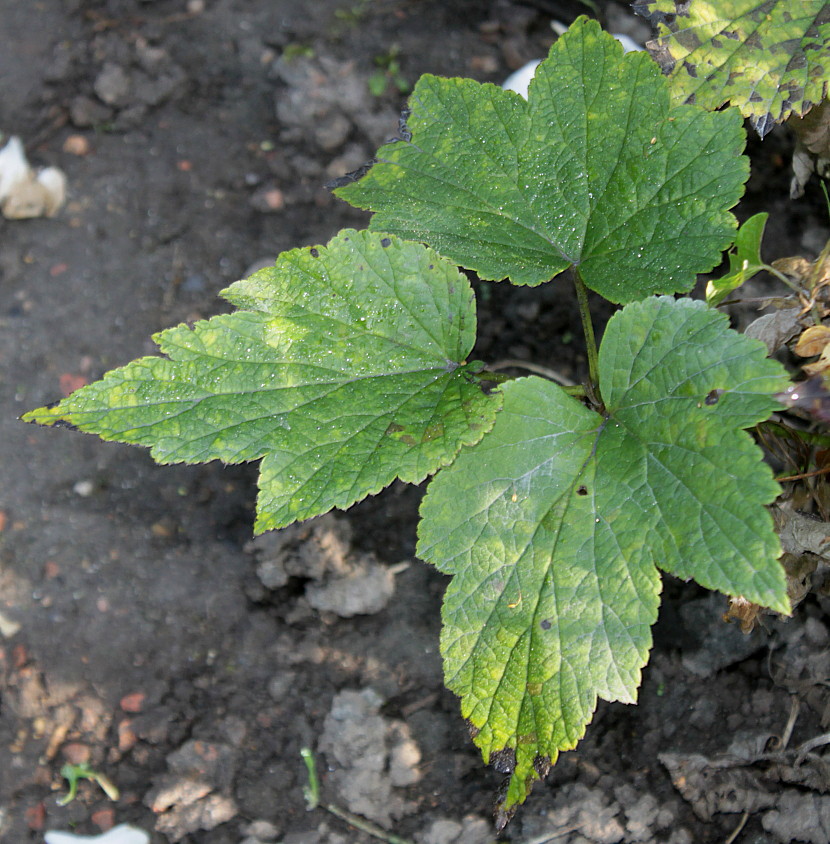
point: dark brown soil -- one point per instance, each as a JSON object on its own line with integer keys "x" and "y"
{"x": 138, "y": 631}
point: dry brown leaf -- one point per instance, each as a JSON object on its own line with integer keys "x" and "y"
{"x": 813, "y": 341}
{"x": 796, "y": 267}
{"x": 744, "y": 612}
{"x": 819, "y": 366}
{"x": 813, "y": 129}
{"x": 775, "y": 329}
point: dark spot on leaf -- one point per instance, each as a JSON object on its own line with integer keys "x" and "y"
{"x": 755, "y": 97}
{"x": 433, "y": 432}
{"x": 394, "y": 428}
{"x": 690, "y": 69}
{"x": 355, "y": 175}
{"x": 62, "y": 423}
{"x": 712, "y": 397}
{"x": 753, "y": 42}
{"x": 315, "y": 253}
{"x": 385, "y": 242}
{"x": 502, "y": 816}
{"x": 545, "y": 624}
{"x": 503, "y": 761}
{"x": 583, "y": 490}
{"x": 732, "y": 34}
{"x": 403, "y": 130}
{"x": 763, "y": 124}
{"x": 541, "y": 764}
{"x": 474, "y": 731}
{"x": 432, "y": 266}
{"x": 716, "y": 44}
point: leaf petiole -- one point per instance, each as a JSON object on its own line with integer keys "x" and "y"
{"x": 590, "y": 338}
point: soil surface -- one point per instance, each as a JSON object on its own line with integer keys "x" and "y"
{"x": 144, "y": 632}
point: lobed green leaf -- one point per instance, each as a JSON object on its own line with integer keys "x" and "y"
{"x": 343, "y": 369}
{"x": 595, "y": 170}
{"x": 555, "y": 524}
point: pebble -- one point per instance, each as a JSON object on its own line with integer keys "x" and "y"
{"x": 112, "y": 85}
{"x": 84, "y": 488}
{"x": 76, "y": 145}
{"x": 262, "y": 830}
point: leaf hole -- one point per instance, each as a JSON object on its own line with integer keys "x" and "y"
{"x": 315, "y": 253}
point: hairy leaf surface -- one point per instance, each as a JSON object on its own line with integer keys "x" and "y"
{"x": 770, "y": 58}
{"x": 555, "y": 524}
{"x": 343, "y": 369}
{"x": 594, "y": 170}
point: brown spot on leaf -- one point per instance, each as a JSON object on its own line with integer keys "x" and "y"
{"x": 503, "y": 761}
{"x": 541, "y": 764}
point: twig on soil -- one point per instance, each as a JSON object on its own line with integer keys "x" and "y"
{"x": 365, "y": 826}
{"x": 737, "y": 831}
{"x": 812, "y": 744}
{"x": 795, "y": 705}
{"x": 312, "y": 798}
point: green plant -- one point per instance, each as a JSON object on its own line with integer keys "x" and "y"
{"x": 388, "y": 72}
{"x": 73, "y": 773}
{"x": 554, "y": 509}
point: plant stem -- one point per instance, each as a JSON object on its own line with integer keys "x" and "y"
{"x": 588, "y": 328}
{"x": 311, "y": 792}
{"x": 544, "y": 371}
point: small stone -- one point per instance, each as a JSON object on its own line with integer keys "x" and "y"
{"x": 209, "y": 761}
{"x": 205, "y": 814}
{"x": 361, "y": 592}
{"x": 262, "y": 830}
{"x": 815, "y": 632}
{"x": 76, "y": 753}
{"x": 84, "y": 488}
{"x": 332, "y": 132}
{"x": 133, "y": 702}
{"x": 280, "y": 684}
{"x": 177, "y": 791}
{"x": 268, "y": 199}
{"x": 112, "y": 85}
{"x": 441, "y": 832}
{"x": 8, "y": 627}
{"x": 85, "y": 113}
{"x": 76, "y": 145}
